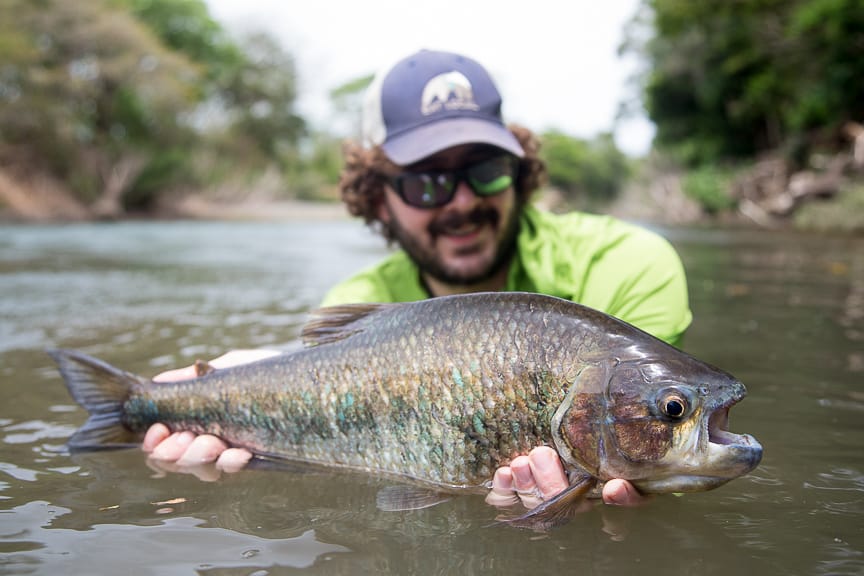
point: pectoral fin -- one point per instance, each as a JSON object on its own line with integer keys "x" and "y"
{"x": 400, "y": 498}
{"x": 556, "y": 511}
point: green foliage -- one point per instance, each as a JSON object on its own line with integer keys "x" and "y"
{"x": 708, "y": 186}
{"x": 832, "y": 32}
{"x": 89, "y": 93}
{"x": 347, "y": 101}
{"x": 186, "y": 26}
{"x": 353, "y": 88}
{"x": 131, "y": 117}
{"x": 588, "y": 173}
{"x": 108, "y": 96}
{"x": 251, "y": 82}
{"x": 313, "y": 175}
{"x": 731, "y": 79}
{"x": 167, "y": 170}
{"x": 260, "y": 96}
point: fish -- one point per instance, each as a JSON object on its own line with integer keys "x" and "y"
{"x": 441, "y": 392}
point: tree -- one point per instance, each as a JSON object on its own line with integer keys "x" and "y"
{"x": 347, "y": 101}
{"x": 588, "y": 173}
{"x": 127, "y": 100}
{"x": 90, "y": 96}
{"x": 250, "y": 82}
{"x": 260, "y": 95}
{"x": 728, "y": 80}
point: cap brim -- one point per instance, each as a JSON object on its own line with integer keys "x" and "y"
{"x": 427, "y": 140}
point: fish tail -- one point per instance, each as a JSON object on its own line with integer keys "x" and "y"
{"x": 102, "y": 390}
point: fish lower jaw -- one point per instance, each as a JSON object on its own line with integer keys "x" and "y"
{"x": 704, "y": 471}
{"x": 734, "y": 451}
{"x": 725, "y": 438}
{"x": 685, "y": 483}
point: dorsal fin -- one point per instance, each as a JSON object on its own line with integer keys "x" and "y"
{"x": 202, "y": 368}
{"x": 336, "y": 322}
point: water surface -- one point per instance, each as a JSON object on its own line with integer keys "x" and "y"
{"x": 783, "y": 312}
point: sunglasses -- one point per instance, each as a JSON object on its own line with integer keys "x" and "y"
{"x": 435, "y": 189}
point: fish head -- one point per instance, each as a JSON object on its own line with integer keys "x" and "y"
{"x": 663, "y": 425}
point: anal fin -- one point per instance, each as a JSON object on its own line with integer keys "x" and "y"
{"x": 400, "y": 498}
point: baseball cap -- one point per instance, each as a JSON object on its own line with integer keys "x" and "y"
{"x": 430, "y": 101}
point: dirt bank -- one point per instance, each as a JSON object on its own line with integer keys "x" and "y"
{"x": 198, "y": 208}
{"x": 40, "y": 199}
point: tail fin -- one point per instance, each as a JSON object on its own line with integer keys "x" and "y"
{"x": 102, "y": 390}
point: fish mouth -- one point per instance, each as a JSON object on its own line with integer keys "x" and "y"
{"x": 731, "y": 454}
{"x": 719, "y": 433}
{"x": 718, "y": 429}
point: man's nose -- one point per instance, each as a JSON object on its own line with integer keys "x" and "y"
{"x": 464, "y": 196}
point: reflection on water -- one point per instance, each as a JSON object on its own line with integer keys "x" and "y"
{"x": 113, "y": 548}
{"x": 784, "y": 313}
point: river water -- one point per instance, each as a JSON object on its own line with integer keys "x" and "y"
{"x": 783, "y": 312}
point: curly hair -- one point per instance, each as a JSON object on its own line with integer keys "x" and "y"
{"x": 362, "y": 181}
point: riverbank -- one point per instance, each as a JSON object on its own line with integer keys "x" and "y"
{"x": 43, "y": 200}
{"x": 199, "y": 208}
{"x": 653, "y": 198}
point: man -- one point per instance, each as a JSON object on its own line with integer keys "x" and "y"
{"x": 441, "y": 175}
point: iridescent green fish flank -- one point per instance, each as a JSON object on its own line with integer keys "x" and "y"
{"x": 444, "y": 391}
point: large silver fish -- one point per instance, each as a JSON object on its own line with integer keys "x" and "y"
{"x": 444, "y": 391}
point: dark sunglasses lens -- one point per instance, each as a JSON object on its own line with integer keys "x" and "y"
{"x": 491, "y": 176}
{"x": 426, "y": 190}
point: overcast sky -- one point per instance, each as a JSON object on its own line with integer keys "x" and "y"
{"x": 555, "y": 62}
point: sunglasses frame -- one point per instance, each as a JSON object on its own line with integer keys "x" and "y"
{"x": 461, "y": 175}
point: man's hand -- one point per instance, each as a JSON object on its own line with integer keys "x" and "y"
{"x": 227, "y": 360}
{"x": 529, "y": 479}
{"x": 186, "y": 450}
{"x": 540, "y": 475}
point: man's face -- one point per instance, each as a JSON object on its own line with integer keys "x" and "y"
{"x": 465, "y": 241}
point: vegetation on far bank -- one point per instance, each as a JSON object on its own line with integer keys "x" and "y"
{"x": 114, "y": 107}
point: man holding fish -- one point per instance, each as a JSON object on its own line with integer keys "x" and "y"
{"x": 440, "y": 174}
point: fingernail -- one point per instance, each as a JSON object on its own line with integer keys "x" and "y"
{"x": 522, "y": 477}
{"x": 172, "y": 447}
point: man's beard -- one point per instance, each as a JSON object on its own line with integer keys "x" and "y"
{"x": 429, "y": 262}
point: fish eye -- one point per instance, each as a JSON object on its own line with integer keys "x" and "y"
{"x": 673, "y": 405}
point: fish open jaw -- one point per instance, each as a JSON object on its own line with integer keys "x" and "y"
{"x": 718, "y": 430}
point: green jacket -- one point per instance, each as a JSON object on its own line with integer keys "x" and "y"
{"x": 598, "y": 261}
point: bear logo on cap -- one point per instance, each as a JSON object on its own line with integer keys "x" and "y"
{"x": 450, "y": 91}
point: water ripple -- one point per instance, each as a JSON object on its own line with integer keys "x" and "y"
{"x": 34, "y": 430}
{"x": 839, "y": 491}
{"x": 19, "y": 473}
{"x": 839, "y": 479}
{"x": 59, "y": 550}
{"x": 749, "y": 530}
